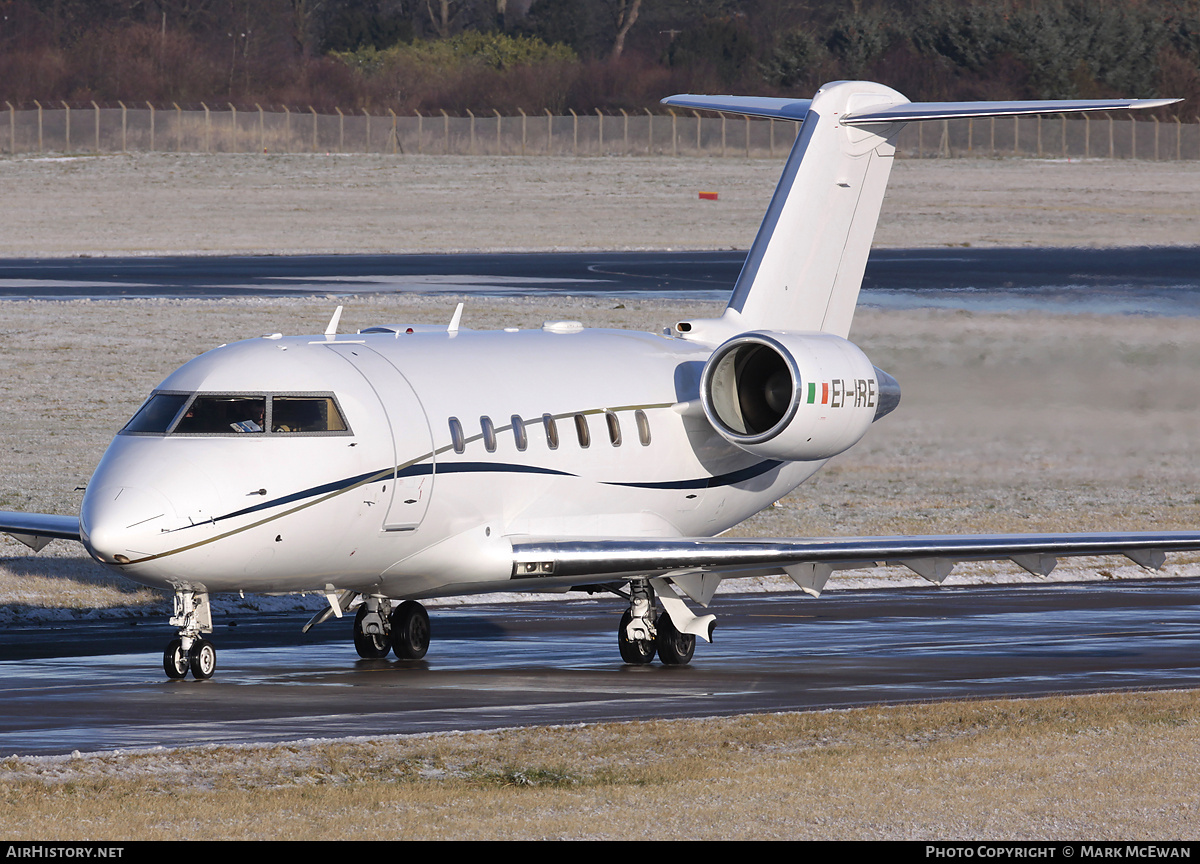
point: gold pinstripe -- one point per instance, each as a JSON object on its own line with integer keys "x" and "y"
{"x": 372, "y": 479}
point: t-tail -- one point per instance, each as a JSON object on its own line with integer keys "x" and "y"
{"x": 805, "y": 267}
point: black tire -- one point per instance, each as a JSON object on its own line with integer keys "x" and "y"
{"x": 674, "y": 648}
{"x": 202, "y": 659}
{"x": 410, "y": 630}
{"x": 175, "y": 660}
{"x": 368, "y": 645}
{"x": 633, "y": 653}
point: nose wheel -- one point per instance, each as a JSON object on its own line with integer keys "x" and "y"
{"x": 202, "y": 659}
{"x": 190, "y": 651}
{"x": 175, "y": 660}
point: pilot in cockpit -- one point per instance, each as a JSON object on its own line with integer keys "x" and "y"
{"x": 254, "y": 423}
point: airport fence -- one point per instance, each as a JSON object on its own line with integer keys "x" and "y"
{"x": 66, "y": 129}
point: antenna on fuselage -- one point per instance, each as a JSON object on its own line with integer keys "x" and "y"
{"x": 331, "y": 328}
{"x": 454, "y": 319}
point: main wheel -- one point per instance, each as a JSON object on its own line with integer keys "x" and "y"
{"x": 175, "y": 660}
{"x": 636, "y": 653}
{"x": 410, "y": 630}
{"x": 674, "y": 648}
{"x": 202, "y": 658}
{"x": 370, "y": 646}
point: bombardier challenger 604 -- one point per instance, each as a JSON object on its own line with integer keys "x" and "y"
{"x": 407, "y": 462}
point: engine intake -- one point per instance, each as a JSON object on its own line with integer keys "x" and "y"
{"x": 794, "y": 396}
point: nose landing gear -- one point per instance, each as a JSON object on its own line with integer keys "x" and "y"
{"x": 190, "y": 651}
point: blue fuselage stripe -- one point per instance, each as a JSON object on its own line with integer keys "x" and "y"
{"x": 445, "y": 468}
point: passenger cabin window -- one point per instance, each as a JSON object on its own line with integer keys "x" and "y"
{"x": 551, "y": 431}
{"x": 489, "y": 434}
{"x": 518, "y": 427}
{"x": 581, "y": 430}
{"x": 456, "y": 436}
{"x": 643, "y": 426}
{"x": 614, "y": 428}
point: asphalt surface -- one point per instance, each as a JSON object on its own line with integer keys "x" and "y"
{"x": 100, "y": 686}
{"x": 94, "y": 685}
{"x": 1162, "y": 281}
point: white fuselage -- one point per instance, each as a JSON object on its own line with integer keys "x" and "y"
{"x": 391, "y": 505}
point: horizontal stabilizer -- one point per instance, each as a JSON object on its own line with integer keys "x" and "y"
{"x": 909, "y": 112}
{"x": 751, "y": 106}
{"x": 913, "y": 111}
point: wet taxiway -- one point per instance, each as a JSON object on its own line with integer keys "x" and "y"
{"x": 1161, "y": 281}
{"x": 99, "y": 686}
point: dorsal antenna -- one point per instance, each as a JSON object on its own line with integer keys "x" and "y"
{"x": 331, "y": 328}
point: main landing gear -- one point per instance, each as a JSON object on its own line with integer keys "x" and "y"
{"x": 190, "y": 651}
{"x": 643, "y": 632}
{"x": 404, "y": 630}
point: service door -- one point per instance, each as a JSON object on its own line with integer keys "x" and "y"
{"x": 413, "y": 467}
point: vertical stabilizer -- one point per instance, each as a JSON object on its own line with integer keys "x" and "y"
{"x": 807, "y": 262}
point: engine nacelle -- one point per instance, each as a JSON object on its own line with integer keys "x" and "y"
{"x": 794, "y": 396}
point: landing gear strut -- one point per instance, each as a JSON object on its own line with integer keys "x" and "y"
{"x": 190, "y": 650}
{"x": 371, "y": 639}
{"x": 643, "y": 632}
{"x": 404, "y": 630}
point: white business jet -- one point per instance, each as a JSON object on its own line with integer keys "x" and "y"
{"x": 409, "y": 462}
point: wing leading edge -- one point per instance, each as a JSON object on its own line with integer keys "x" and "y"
{"x": 35, "y": 530}
{"x": 810, "y": 561}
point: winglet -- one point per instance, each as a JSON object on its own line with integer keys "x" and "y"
{"x": 453, "y": 328}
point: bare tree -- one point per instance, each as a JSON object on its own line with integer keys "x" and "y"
{"x": 626, "y": 14}
{"x": 304, "y": 19}
{"x": 444, "y": 17}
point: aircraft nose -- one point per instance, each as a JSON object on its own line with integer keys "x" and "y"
{"x": 117, "y": 523}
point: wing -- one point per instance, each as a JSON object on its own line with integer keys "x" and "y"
{"x": 35, "y": 530}
{"x": 809, "y": 562}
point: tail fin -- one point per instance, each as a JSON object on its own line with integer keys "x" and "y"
{"x": 806, "y": 264}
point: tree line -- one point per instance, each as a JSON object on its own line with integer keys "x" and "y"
{"x": 480, "y": 55}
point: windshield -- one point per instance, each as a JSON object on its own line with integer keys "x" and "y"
{"x": 214, "y": 414}
{"x": 238, "y": 414}
{"x": 157, "y": 414}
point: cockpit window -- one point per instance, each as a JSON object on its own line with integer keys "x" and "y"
{"x": 238, "y": 414}
{"x": 158, "y": 412}
{"x": 305, "y": 414}
{"x": 215, "y": 414}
